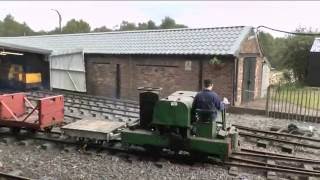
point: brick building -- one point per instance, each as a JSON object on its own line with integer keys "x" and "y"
{"x": 114, "y": 64}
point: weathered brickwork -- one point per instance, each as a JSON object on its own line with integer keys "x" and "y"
{"x": 135, "y": 71}
{"x": 258, "y": 83}
{"x": 222, "y": 75}
{"x": 170, "y": 72}
{"x": 249, "y": 48}
{"x": 239, "y": 81}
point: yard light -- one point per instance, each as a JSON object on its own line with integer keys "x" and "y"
{"x": 60, "y": 18}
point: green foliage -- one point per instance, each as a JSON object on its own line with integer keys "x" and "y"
{"x": 215, "y": 61}
{"x": 102, "y": 29}
{"x": 152, "y": 25}
{"x": 169, "y": 23}
{"x": 10, "y": 27}
{"x": 147, "y": 25}
{"x": 296, "y": 55}
{"x": 272, "y": 48}
{"x": 127, "y": 26}
{"x": 289, "y": 52}
{"x": 74, "y": 26}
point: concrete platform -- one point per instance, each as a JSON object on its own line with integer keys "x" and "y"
{"x": 93, "y": 129}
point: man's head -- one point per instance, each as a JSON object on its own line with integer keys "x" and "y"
{"x": 208, "y": 84}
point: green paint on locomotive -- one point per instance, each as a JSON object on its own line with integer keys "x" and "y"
{"x": 174, "y": 114}
{"x": 173, "y": 111}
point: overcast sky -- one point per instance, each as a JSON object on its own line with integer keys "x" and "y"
{"x": 281, "y": 15}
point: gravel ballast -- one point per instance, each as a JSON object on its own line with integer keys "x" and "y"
{"x": 54, "y": 163}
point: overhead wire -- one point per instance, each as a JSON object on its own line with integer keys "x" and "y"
{"x": 281, "y": 31}
{"x": 288, "y": 32}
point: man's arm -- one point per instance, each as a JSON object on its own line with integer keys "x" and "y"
{"x": 217, "y": 102}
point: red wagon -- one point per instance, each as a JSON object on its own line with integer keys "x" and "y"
{"x": 48, "y": 112}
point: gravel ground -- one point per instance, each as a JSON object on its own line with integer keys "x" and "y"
{"x": 37, "y": 163}
{"x": 55, "y": 163}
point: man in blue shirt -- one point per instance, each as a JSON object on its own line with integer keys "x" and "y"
{"x": 207, "y": 100}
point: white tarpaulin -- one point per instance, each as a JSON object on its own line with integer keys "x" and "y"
{"x": 67, "y": 71}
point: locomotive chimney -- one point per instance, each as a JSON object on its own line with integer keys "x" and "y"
{"x": 148, "y": 97}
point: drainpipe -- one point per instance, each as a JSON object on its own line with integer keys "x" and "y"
{"x": 235, "y": 80}
{"x": 200, "y": 73}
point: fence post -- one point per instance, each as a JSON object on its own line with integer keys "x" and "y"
{"x": 267, "y": 102}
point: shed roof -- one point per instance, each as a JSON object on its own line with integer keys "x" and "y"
{"x": 193, "y": 41}
{"x": 21, "y": 48}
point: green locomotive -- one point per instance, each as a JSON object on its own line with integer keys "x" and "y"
{"x": 170, "y": 123}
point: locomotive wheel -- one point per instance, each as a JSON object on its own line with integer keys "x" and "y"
{"x": 198, "y": 156}
{"x": 153, "y": 150}
{"x": 15, "y": 130}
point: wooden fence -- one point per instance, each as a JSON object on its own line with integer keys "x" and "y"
{"x": 289, "y": 102}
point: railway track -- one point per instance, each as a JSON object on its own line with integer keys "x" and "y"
{"x": 236, "y": 159}
{"x": 8, "y": 176}
{"x": 79, "y": 106}
{"x": 241, "y": 159}
{"x": 279, "y": 137}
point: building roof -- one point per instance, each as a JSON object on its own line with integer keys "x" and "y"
{"x": 193, "y": 41}
{"x": 316, "y": 45}
{"x": 15, "y": 47}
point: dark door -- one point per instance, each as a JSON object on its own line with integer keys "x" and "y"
{"x": 249, "y": 69}
{"x": 118, "y": 82}
{"x": 102, "y": 79}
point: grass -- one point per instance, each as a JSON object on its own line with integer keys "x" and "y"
{"x": 307, "y": 97}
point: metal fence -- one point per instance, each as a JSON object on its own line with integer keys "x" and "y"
{"x": 290, "y": 102}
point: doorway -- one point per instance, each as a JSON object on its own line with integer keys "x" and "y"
{"x": 248, "y": 84}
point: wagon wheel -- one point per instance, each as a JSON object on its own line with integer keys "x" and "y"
{"x": 48, "y": 129}
{"x": 100, "y": 142}
{"x": 32, "y": 131}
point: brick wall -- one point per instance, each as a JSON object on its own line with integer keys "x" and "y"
{"x": 172, "y": 73}
{"x": 258, "y": 79}
{"x": 222, "y": 76}
{"x": 249, "y": 48}
{"x": 239, "y": 81}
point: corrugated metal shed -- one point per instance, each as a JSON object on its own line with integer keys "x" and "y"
{"x": 316, "y": 45}
{"x": 200, "y": 41}
{"x": 313, "y": 65}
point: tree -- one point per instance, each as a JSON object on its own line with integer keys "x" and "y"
{"x": 74, "y": 26}
{"x": 169, "y": 23}
{"x": 142, "y": 26}
{"x": 272, "y": 48}
{"x": 152, "y": 25}
{"x": 296, "y": 55}
{"x": 127, "y": 26}
{"x": 102, "y": 29}
{"x": 10, "y": 27}
{"x": 147, "y": 25}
